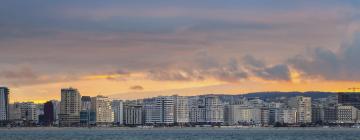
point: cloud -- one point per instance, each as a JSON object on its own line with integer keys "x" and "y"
{"x": 22, "y": 73}
{"x": 341, "y": 65}
{"x": 137, "y": 87}
{"x": 278, "y": 72}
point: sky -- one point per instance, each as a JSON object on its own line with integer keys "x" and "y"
{"x": 131, "y": 49}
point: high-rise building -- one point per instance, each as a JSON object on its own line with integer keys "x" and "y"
{"x": 85, "y": 103}
{"x": 197, "y": 110}
{"x": 303, "y": 106}
{"x": 347, "y": 114}
{"x": 70, "y": 107}
{"x": 288, "y": 116}
{"x": 4, "y": 103}
{"x": 152, "y": 113}
{"x": 29, "y": 112}
{"x": 161, "y": 110}
{"x": 87, "y": 116}
{"x": 15, "y": 112}
{"x": 265, "y": 116}
{"x": 235, "y": 114}
{"x": 118, "y": 109}
{"x": 101, "y": 105}
{"x": 133, "y": 114}
{"x": 182, "y": 111}
{"x": 214, "y": 109}
{"x": 274, "y": 112}
{"x": 49, "y": 113}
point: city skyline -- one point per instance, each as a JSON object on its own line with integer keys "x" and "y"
{"x": 136, "y": 49}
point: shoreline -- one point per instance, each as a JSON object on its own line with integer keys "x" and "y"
{"x": 174, "y": 128}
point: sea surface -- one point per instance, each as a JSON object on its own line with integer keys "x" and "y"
{"x": 180, "y": 134}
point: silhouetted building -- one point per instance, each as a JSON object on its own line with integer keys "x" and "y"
{"x": 49, "y": 113}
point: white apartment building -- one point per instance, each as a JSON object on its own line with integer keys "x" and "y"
{"x": 182, "y": 109}
{"x": 29, "y": 111}
{"x": 101, "y": 105}
{"x": 214, "y": 109}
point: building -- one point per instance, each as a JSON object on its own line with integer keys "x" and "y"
{"x": 160, "y": 110}
{"x": 101, "y": 105}
{"x": 118, "y": 109}
{"x": 214, "y": 112}
{"x": 152, "y": 114}
{"x": 274, "y": 112}
{"x": 70, "y": 106}
{"x": 347, "y": 114}
{"x": 133, "y": 114}
{"x": 349, "y": 99}
{"x": 182, "y": 110}
{"x": 4, "y": 103}
{"x": 87, "y": 118}
{"x": 85, "y": 103}
{"x": 15, "y": 113}
{"x": 49, "y": 113}
{"x": 29, "y": 112}
{"x": 288, "y": 116}
{"x": 330, "y": 114}
{"x": 197, "y": 111}
{"x": 234, "y": 114}
{"x": 303, "y": 106}
{"x": 265, "y": 116}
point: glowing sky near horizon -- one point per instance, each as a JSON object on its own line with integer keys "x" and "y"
{"x": 132, "y": 49}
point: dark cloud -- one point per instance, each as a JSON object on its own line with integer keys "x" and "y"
{"x": 278, "y": 72}
{"x": 342, "y": 65}
{"x": 259, "y": 68}
{"x": 137, "y": 87}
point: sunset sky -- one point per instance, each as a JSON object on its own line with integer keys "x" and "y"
{"x": 132, "y": 49}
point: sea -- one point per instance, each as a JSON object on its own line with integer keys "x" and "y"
{"x": 180, "y": 134}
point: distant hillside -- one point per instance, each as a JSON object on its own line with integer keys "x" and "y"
{"x": 314, "y": 95}
{"x": 273, "y": 95}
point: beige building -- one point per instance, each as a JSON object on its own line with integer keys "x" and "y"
{"x": 101, "y": 105}
{"x": 303, "y": 106}
{"x": 70, "y": 107}
{"x": 347, "y": 114}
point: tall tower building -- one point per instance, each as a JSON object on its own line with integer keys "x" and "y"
{"x": 49, "y": 113}
{"x": 4, "y": 103}
{"x": 101, "y": 105}
{"x": 70, "y": 107}
{"x": 118, "y": 109}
